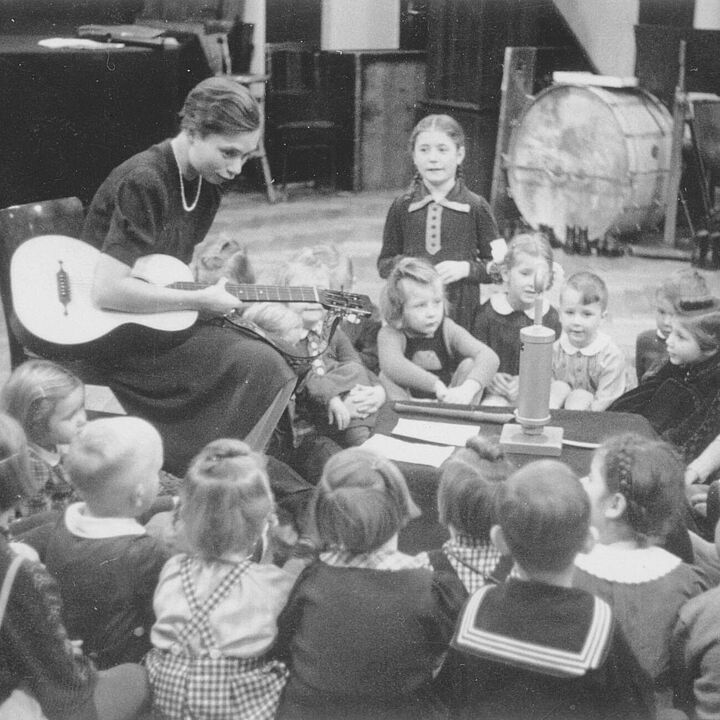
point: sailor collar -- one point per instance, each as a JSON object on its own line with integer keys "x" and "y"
{"x": 80, "y": 524}
{"x": 501, "y": 305}
{"x": 599, "y": 343}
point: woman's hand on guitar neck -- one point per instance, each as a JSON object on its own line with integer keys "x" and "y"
{"x": 215, "y": 299}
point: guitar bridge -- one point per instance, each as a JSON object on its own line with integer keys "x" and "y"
{"x": 63, "y": 287}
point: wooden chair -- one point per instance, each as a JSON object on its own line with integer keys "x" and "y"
{"x": 62, "y": 216}
{"x": 298, "y": 116}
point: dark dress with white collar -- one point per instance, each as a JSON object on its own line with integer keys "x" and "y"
{"x": 460, "y": 227}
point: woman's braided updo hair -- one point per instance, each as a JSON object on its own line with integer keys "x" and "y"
{"x": 649, "y": 475}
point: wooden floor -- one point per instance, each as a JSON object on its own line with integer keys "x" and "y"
{"x": 354, "y": 223}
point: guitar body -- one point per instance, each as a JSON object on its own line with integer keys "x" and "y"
{"x": 51, "y": 278}
{"x": 69, "y": 317}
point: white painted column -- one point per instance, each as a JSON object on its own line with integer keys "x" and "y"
{"x": 707, "y": 15}
{"x": 360, "y": 25}
{"x": 255, "y": 14}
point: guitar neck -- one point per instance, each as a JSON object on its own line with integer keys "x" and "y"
{"x": 260, "y": 293}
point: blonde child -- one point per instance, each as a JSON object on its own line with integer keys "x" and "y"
{"x": 650, "y": 345}
{"x": 635, "y": 487}
{"x": 49, "y": 403}
{"x": 499, "y": 320}
{"x": 423, "y": 353}
{"x": 105, "y": 563}
{"x": 42, "y": 673}
{"x": 216, "y": 606}
{"x": 588, "y": 367}
{"x": 339, "y": 396}
{"x": 534, "y": 646}
{"x": 469, "y": 483}
{"x": 439, "y": 219}
{"x": 366, "y": 626}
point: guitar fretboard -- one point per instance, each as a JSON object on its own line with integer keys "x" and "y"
{"x": 261, "y": 293}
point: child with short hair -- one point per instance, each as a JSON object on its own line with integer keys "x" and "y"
{"x": 42, "y": 673}
{"x": 105, "y": 563}
{"x": 588, "y": 367}
{"x": 650, "y": 349}
{"x": 470, "y": 480}
{"x": 49, "y": 403}
{"x": 440, "y": 220}
{"x": 682, "y": 399}
{"x": 366, "y": 625}
{"x": 423, "y": 353}
{"x": 338, "y": 396}
{"x": 499, "y": 320}
{"x": 535, "y": 646}
{"x": 216, "y": 605}
{"x": 635, "y": 487}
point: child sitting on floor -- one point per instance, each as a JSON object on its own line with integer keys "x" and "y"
{"x": 42, "y": 673}
{"x": 650, "y": 345}
{"x": 588, "y": 367}
{"x": 499, "y": 320}
{"x": 423, "y": 353}
{"x": 339, "y": 396}
{"x": 635, "y": 487}
{"x": 470, "y": 479}
{"x": 216, "y": 605}
{"x": 102, "y": 558}
{"x": 534, "y": 646}
{"x": 49, "y": 403}
{"x": 366, "y": 626}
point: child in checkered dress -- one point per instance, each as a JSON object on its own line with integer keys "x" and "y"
{"x": 49, "y": 403}
{"x": 469, "y": 482}
{"x": 366, "y": 626}
{"x": 216, "y": 606}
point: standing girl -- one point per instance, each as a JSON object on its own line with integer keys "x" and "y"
{"x": 216, "y": 608}
{"x": 636, "y": 494}
{"x": 499, "y": 320}
{"x": 366, "y": 626}
{"x": 422, "y": 352}
{"x": 49, "y": 403}
{"x": 440, "y": 220}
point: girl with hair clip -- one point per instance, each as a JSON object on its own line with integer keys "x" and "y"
{"x": 469, "y": 483}
{"x": 49, "y": 403}
{"x": 423, "y": 353}
{"x": 217, "y": 604}
{"x": 635, "y": 488}
{"x": 366, "y": 626}
{"x": 43, "y": 675}
{"x": 499, "y": 320}
{"x": 439, "y": 219}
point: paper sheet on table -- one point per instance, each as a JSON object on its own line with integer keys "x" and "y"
{"x": 448, "y": 433}
{"x": 81, "y": 43}
{"x": 402, "y": 451}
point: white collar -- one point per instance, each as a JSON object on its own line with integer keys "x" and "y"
{"x": 631, "y": 566}
{"x": 79, "y": 523}
{"x": 599, "y": 343}
{"x": 501, "y": 305}
{"x": 51, "y": 457}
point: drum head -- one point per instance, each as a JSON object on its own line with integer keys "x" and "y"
{"x": 568, "y": 161}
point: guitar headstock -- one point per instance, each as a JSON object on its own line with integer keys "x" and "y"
{"x": 342, "y": 303}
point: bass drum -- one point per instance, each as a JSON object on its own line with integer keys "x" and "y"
{"x": 592, "y": 157}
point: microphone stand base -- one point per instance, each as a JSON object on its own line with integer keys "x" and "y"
{"x": 514, "y": 439}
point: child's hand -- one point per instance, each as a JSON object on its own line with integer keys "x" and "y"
{"x": 505, "y": 385}
{"x": 338, "y": 413}
{"x": 367, "y": 399}
{"x": 452, "y": 270}
{"x": 463, "y": 394}
{"x": 440, "y": 390}
{"x": 697, "y": 497}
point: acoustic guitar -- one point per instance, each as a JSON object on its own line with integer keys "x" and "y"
{"x": 51, "y": 278}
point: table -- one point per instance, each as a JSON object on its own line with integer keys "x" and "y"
{"x": 69, "y": 116}
{"x": 426, "y": 532}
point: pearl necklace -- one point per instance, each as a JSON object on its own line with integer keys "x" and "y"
{"x": 186, "y": 207}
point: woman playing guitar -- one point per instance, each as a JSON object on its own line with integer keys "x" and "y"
{"x": 208, "y": 381}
